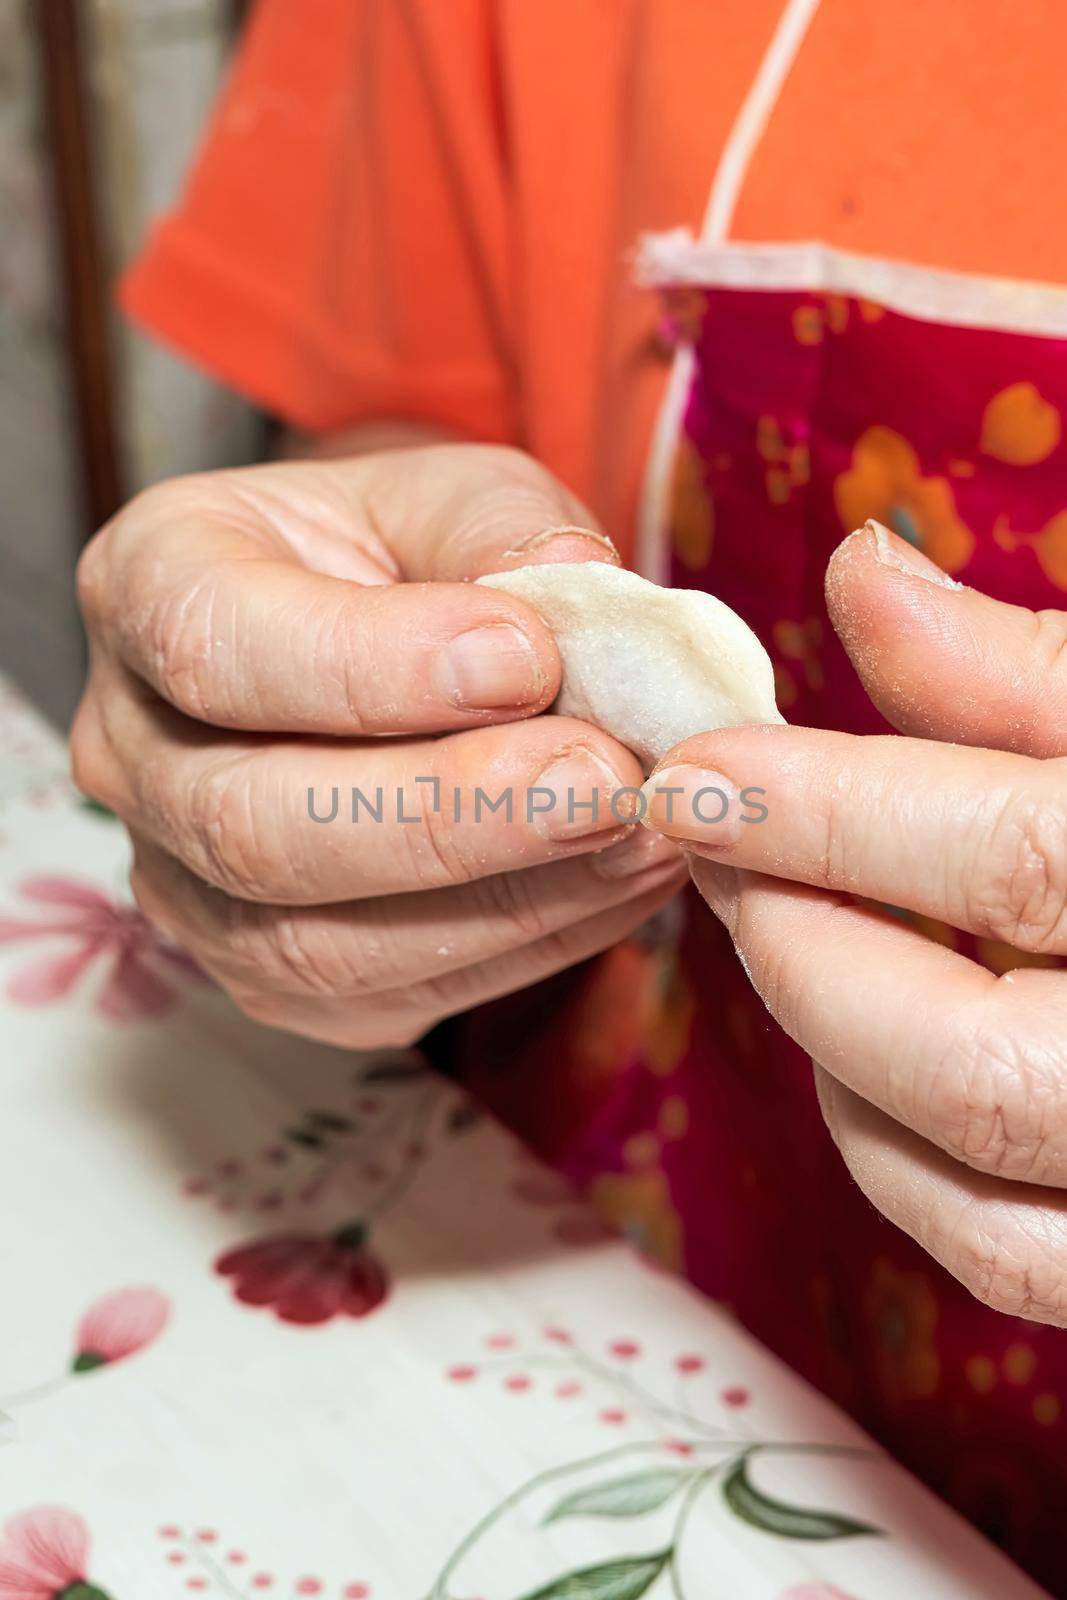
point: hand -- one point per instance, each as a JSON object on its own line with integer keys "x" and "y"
{"x": 944, "y": 1085}
{"x": 259, "y": 634}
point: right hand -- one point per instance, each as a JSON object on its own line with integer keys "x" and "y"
{"x": 307, "y": 625}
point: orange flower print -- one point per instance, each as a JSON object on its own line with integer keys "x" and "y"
{"x": 669, "y": 1011}
{"x": 639, "y": 1205}
{"x": 807, "y": 325}
{"x": 788, "y": 464}
{"x": 902, "y": 1309}
{"x": 884, "y": 482}
{"x": 802, "y": 642}
{"x": 692, "y": 514}
{"x": 1019, "y": 426}
{"x": 1049, "y": 546}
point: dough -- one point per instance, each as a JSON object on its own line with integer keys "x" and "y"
{"x": 649, "y": 665}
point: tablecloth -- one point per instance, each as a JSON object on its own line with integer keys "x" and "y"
{"x": 282, "y": 1320}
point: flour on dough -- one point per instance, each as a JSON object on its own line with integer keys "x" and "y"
{"x": 651, "y": 666}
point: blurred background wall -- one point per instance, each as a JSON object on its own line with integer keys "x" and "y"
{"x": 101, "y": 102}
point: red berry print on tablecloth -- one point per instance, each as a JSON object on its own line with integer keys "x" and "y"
{"x": 209, "y": 1572}
{"x": 711, "y": 1449}
{"x": 518, "y": 1383}
{"x": 309, "y": 1277}
{"x": 462, "y": 1374}
{"x": 624, "y": 1349}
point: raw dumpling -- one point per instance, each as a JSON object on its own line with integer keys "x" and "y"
{"x": 651, "y": 666}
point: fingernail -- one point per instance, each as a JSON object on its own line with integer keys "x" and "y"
{"x": 721, "y": 888}
{"x": 693, "y": 803}
{"x": 573, "y": 797}
{"x": 566, "y": 531}
{"x": 893, "y": 551}
{"x": 641, "y": 852}
{"x": 488, "y": 668}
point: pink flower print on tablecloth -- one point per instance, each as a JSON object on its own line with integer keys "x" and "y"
{"x": 93, "y": 928}
{"x": 118, "y": 1326}
{"x": 114, "y": 1327}
{"x": 44, "y": 1555}
{"x": 308, "y": 1278}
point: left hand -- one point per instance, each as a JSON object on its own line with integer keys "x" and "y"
{"x": 943, "y": 1084}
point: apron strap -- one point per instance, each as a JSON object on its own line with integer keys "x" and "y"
{"x": 651, "y": 556}
{"x": 751, "y": 121}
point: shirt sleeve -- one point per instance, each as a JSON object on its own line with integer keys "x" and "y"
{"x": 339, "y": 249}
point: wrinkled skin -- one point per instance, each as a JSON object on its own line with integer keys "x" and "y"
{"x": 258, "y": 633}
{"x": 943, "y": 1083}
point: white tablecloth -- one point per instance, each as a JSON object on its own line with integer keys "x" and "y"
{"x": 280, "y": 1320}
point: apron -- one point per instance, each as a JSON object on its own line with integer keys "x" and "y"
{"x": 810, "y": 390}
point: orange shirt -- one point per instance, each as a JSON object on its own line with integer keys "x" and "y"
{"x": 425, "y": 207}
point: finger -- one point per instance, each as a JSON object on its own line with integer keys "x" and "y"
{"x": 460, "y": 511}
{"x": 271, "y": 599}
{"x": 977, "y": 838}
{"x": 1007, "y": 1243}
{"x": 975, "y": 1064}
{"x": 361, "y": 949}
{"x": 402, "y": 1015}
{"x": 946, "y": 662}
{"x": 242, "y": 639}
{"x": 308, "y": 822}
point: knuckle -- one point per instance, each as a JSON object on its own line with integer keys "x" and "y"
{"x": 238, "y": 844}
{"x": 157, "y": 906}
{"x": 511, "y": 896}
{"x": 993, "y": 1104}
{"x": 1041, "y": 717}
{"x": 176, "y": 637}
{"x": 90, "y": 580}
{"x": 434, "y": 847}
{"x": 302, "y": 957}
{"x": 93, "y": 768}
{"x": 309, "y": 955}
{"x": 1008, "y": 1269}
{"x": 834, "y": 866}
{"x": 1019, "y": 892}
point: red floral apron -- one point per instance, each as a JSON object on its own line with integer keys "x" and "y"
{"x": 814, "y": 390}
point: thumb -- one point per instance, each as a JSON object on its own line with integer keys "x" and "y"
{"x": 941, "y": 661}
